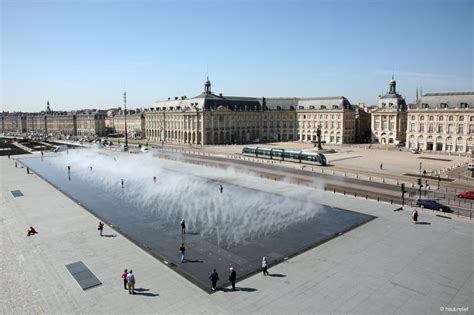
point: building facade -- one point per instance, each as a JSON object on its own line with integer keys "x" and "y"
{"x": 90, "y": 124}
{"x": 442, "y": 122}
{"x": 217, "y": 119}
{"x": 389, "y": 118}
{"x": 135, "y": 124}
{"x": 334, "y": 116}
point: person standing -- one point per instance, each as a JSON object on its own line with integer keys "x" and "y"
{"x": 381, "y": 165}
{"x": 183, "y": 226}
{"x": 182, "y": 250}
{"x": 122, "y": 183}
{"x": 232, "y": 277}
{"x": 265, "y": 266}
{"x": 101, "y": 228}
{"x": 131, "y": 282}
{"x": 414, "y": 216}
{"x": 214, "y": 277}
{"x": 221, "y": 188}
{"x": 124, "y": 277}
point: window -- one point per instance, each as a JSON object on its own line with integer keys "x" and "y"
{"x": 430, "y": 127}
{"x": 451, "y": 118}
{"x": 461, "y": 129}
{"x": 323, "y": 106}
{"x": 440, "y": 128}
{"x": 412, "y": 127}
{"x": 413, "y": 117}
{"x": 304, "y": 116}
{"x": 430, "y": 118}
{"x": 471, "y": 129}
{"x": 392, "y": 124}
{"x": 450, "y": 128}
{"x": 422, "y": 127}
{"x": 440, "y": 118}
{"x": 461, "y": 118}
{"x": 422, "y": 117}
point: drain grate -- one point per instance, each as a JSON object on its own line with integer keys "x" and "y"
{"x": 17, "y": 193}
{"x": 83, "y": 275}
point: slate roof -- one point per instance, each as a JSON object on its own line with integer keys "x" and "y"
{"x": 446, "y": 100}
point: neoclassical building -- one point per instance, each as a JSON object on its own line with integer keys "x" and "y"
{"x": 217, "y": 119}
{"x": 389, "y": 119}
{"x": 334, "y": 115}
{"x": 90, "y": 124}
{"x": 442, "y": 122}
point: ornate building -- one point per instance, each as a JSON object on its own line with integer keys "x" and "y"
{"x": 334, "y": 115}
{"x": 217, "y": 119}
{"x": 90, "y": 124}
{"x": 389, "y": 119}
{"x": 135, "y": 123}
{"x": 442, "y": 122}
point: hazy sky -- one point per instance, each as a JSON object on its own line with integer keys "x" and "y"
{"x": 81, "y": 54}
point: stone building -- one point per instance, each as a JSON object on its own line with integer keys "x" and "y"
{"x": 442, "y": 122}
{"x": 90, "y": 123}
{"x": 36, "y": 122}
{"x": 334, "y": 115}
{"x": 389, "y": 119}
{"x": 217, "y": 119}
{"x": 363, "y": 118}
{"x": 205, "y": 119}
{"x": 135, "y": 123}
{"x": 61, "y": 123}
{"x": 13, "y": 122}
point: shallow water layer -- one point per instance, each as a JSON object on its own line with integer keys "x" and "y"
{"x": 235, "y": 227}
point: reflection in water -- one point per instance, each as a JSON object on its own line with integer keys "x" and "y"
{"x": 226, "y": 217}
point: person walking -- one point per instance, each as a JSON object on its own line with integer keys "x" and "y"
{"x": 214, "y": 277}
{"x": 414, "y": 216}
{"x": 122, "y": 183}
{"x": 183, "y": 226}
{"x": 101, "y": 228}
{"x": 232, "y": 277}
{"x": 124, "y": 277}
{"x": 221, "y": 188}
{"x": 131, "y": 282}
{"x": 182, "y": 250}
{"x": 381, "y": 165}
{"x": 265, "y": 266}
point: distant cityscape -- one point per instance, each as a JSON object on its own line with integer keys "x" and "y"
{"x": 441, "y": 122}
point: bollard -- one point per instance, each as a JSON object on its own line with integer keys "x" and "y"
{"x": 391, "y": 202}
{"x": 378, "y": 199}
{"x": 355, "y": 195}
{"x": 27, "y": 170}
{"x": 334, "y": 190}
{"x": 344, "y": 192}
{"x": 366, "y": 197}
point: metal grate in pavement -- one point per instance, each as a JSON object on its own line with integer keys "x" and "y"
{"x": 83, "y": 275}
{"x": 17, "y": 193}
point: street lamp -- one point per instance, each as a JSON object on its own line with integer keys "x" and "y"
{"x": 125, "y": 117}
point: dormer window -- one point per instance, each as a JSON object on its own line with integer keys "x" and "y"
{"x": 424, "y": 105}
{"x": 383, "y": 104}
{"x": 300, "y": 107}
{"x": 390, "y": 104}
{"x": 323, "y": 106}
{"x": 311, "y": 107}
{"x": 463, "y": 105}
{"x": 335, "y": 107}
{"x": 443, "y": 105}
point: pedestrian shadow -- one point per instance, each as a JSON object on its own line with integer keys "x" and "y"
{"x": 238, "y": 289}
{"x": 192, "y": 233}
{"x": 109, "y": 235}
{"x": 144, "y": 292}
{"x": 424, "y": 223}
{"x": 193, "y": 261}
{"x": 276, "y": 275}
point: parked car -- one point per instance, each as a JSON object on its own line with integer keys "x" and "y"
{"x": 465, "y": 194}
{"x": 145, "y": 149}
{"x": 415, "y": 150}
{"x": 432, "y": 204}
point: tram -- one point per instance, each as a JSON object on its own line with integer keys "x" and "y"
{"x": 286, "y": 154}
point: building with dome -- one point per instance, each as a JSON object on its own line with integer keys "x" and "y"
{"x": 389, "y": 118}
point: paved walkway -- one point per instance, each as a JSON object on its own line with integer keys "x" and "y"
{"x": 388, "y": 265}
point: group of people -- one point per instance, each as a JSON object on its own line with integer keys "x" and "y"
{"x": 214, "y": 276}
{"x": 128, "y": 281}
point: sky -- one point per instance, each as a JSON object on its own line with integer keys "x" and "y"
{"x": 84, "y": 54}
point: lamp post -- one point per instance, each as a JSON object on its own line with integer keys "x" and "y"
{"x": 125, "y": 117}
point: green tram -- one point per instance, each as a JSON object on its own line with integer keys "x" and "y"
{"x": 286, "y": 154}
